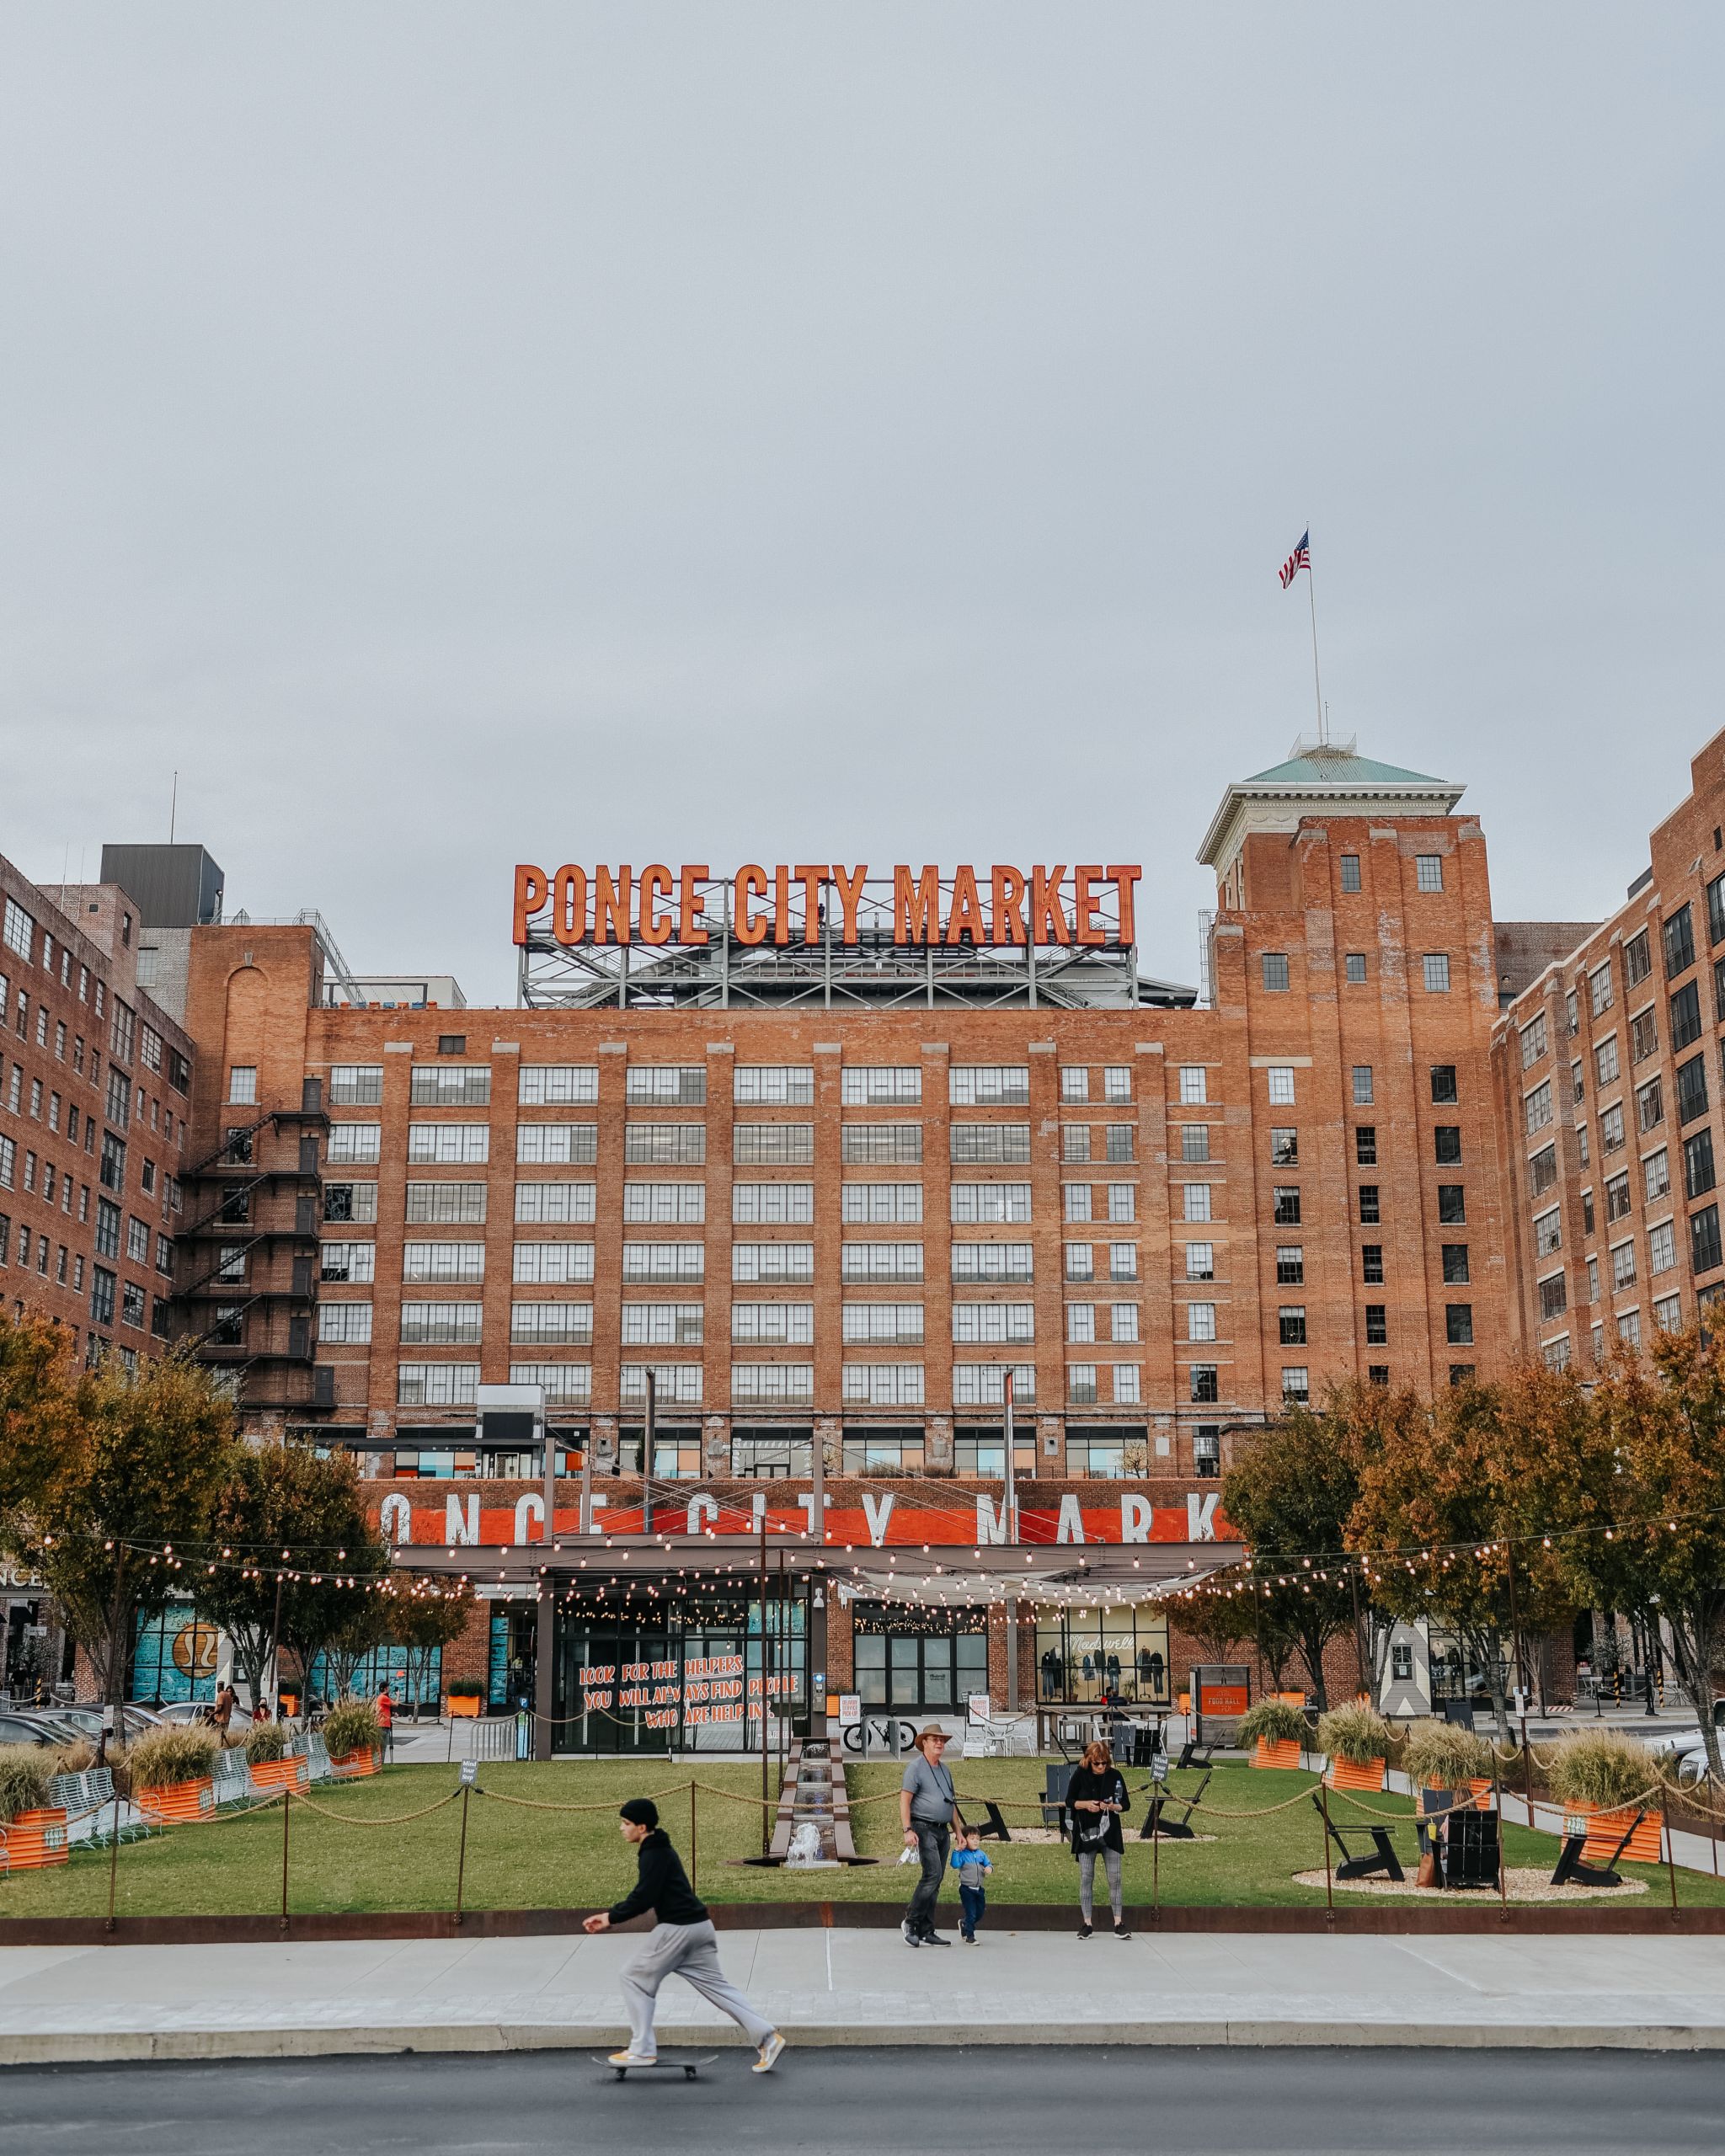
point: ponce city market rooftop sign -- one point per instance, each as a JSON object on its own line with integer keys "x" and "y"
{"x": 1089, "y": 905}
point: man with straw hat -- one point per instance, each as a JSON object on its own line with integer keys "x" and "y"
{"x": 929, "y": 1811}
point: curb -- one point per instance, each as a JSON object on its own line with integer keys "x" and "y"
{"x": 1466, "y": 1915}
{"x": 70, "y": 2047}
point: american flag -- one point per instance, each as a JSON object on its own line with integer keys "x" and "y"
{"x": 1301, "y": 558}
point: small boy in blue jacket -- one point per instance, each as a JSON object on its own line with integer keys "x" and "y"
{"x": 971, "y": 1862}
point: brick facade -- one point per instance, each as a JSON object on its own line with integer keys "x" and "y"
{"x": 95, "y": 1096}
{"x": 1608, "y": 1072}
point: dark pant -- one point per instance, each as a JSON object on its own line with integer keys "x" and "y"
{"x": 933, "y": 1844}
{"x": 972, "y": 1901}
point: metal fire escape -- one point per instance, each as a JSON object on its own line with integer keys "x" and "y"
{"x": 250, "y": 1305}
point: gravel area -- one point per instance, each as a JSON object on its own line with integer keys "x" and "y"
{"x": 1523, "y": 1885}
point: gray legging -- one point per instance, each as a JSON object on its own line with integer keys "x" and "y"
{"x": 1086, "y": 1880}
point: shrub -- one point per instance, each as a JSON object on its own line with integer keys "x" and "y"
{"x": 163, "y": 1757}
{"x": 75, "y": 1759}
{"x": 1444, "y": 1755}
{"x": 463, "y": 1687}
{"x": 1275, "y": 1722}
{"x": 352, "y": 1725}
{"x": 25, "y": 1771}
{"x": 1358, "y": 1734}
{"x": 1601, "y": 1767}
{"x": 265, "y": 1740}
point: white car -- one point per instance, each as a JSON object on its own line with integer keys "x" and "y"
{"x": 1683, "y": 1750}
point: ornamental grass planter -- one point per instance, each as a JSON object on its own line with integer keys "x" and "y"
{"x": 1361, "y": 1776}
{"x": 351, "y": 1765}
{"x": 463, "y": 1705}
{"x": 291, "y": 1773}
{"x": 1605, "y": 1829}
{"x": 1482, "y": 1795}
{"x": 34, "y": 1839}
{"x": 1268, "y": 1753}
{"x": 175, "y": 1803}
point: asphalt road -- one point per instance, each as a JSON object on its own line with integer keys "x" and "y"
{"x": 988, "y": 2101}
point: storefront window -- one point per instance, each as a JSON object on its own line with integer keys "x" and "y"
{"x": 914, "y": 1659}
{"x": 1083, "y": 1654}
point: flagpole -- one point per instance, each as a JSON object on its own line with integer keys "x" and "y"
{"x": 1316, "y": 686}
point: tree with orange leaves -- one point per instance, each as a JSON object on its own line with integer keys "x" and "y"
{"x": 1444, "y": 1509}
{"x": 1653, "y": 1537}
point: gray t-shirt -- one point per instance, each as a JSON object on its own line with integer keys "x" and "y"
{"x": 931, "y": 1788}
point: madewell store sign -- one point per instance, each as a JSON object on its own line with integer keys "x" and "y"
{"x": 1088, "y": 905}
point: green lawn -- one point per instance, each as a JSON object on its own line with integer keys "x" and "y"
{"x": 521, "y": 1858}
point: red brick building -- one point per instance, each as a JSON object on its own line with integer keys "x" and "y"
{"x": 830, "y": 1195}
{"x": 95, "y": 1098}
{"x": 1609, "y": 1072}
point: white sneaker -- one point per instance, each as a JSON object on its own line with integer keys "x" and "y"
{"x": 635, "y": 2058}
{"x": 769, "y": 2054}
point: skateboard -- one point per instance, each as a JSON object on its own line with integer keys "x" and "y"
{"x": 686, "y": 2067}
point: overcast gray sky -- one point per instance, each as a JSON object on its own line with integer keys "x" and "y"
{"x": 724, "y": 432}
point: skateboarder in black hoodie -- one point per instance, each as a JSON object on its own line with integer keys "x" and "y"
{"x": 682, "y": 1942}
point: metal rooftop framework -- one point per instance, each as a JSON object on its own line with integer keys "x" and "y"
{"x": 873, "y": 973}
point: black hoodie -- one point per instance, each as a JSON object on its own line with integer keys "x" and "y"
{"x": 663, "y": 1886}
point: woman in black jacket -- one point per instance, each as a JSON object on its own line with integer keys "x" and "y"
{"x": 1095, "y": 1796}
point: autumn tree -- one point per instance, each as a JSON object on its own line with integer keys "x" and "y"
{"x": 113, "y": 1528}
{"x": 1438, "y": 1502}
{"x": 38, "y": 1405}
{"x": 1648, "y": 1534}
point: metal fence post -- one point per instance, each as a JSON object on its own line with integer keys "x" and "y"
{"x": 286, "y": 1813}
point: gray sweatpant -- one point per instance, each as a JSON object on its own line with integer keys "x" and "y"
{"x": 691, "y": 1952}
{"x": 1086, "y": 1880}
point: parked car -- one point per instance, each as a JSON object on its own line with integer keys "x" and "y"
{"x": 134, "y": 1721}
{"x": 17, "y": 1729}
{"x": 180, "y": 1714}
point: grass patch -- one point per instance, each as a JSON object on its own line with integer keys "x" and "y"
{"x": 521, "y": 1858}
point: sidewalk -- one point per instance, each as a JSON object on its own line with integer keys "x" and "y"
{"x": 846, "y": 1987}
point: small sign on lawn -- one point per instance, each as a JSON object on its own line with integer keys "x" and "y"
{"x": 470, "y": 1773}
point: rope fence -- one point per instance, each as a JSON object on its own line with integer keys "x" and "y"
{"x": 1198, "y": 1806}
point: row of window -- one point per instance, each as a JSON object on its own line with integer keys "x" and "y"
{"x": 754, "y": 1145}
{"x": 1434, "y": 971}
{"x": 684, "y": 1325}
{"x": 360, "y": 1085}
{"x": 782, "y": 1385}
{"x": 688, "y": 1261}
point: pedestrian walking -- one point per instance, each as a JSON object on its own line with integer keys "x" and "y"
{"x": 1096, "y": 1796}
{"x": 682, "y": 1942}
{"x": 972, "y": 1865}
{"x": 384, "y": 1708}
{"x": 928, "y": 1808}
{"x": 221, "y": 1713}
